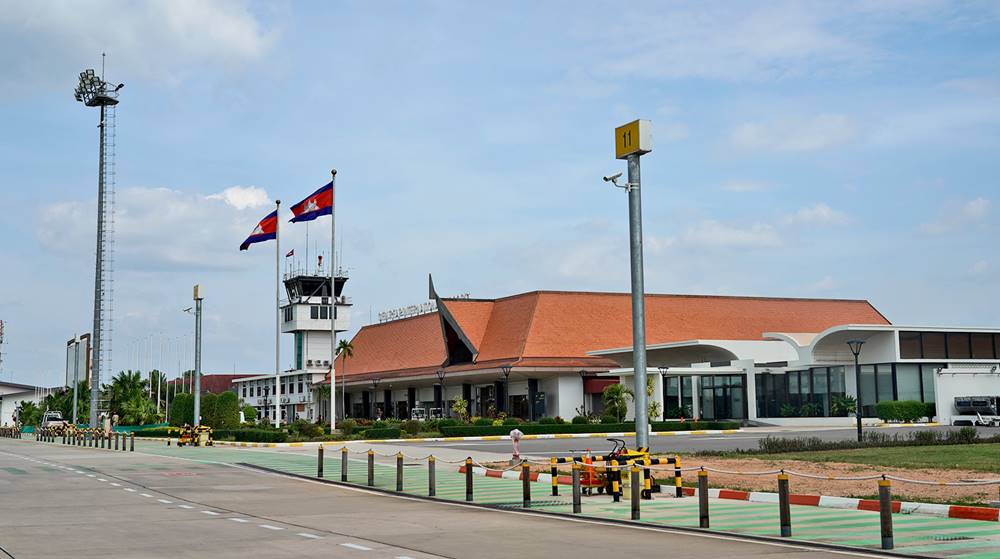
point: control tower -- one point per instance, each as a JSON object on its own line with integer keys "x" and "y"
{"x": 306, "y": 314}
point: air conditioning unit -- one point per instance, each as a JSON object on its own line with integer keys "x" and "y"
{"x": 309, "y": 363}
{"x": 326, "y": 363}
{"x": 285, "y": 399}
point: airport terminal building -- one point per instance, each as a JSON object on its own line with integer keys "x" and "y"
{"x": 754, "y": 359}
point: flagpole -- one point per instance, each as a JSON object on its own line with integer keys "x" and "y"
{"x": 277, "y": 315}
{"x": 333, "y": 295}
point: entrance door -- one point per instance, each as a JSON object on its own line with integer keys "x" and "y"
{"x": 723, "y": 397}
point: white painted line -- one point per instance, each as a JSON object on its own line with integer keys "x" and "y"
{"x": 164, "y": 501}
{"x": 403, "y": 557}
{"x": 146, "y": 495}
{"x": 101, "y": 479}
{"x": 310, "y": 536}
{"x": 91, "y": 475}
{"x": 130, "y": 490}
{"x": 356, "y": 546}
{"x": 210, "y": 512}
{"x": 269, "y": 527}
{"x": 185, "y": 506}
{"x": 113, "y": 484}
{"x": 241, "y": 520}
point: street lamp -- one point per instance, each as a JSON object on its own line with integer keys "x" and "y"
{"x": 375, "y": 382}
{"x": 441, "y": 398}
{"x": 506, "y": 387}
{"x": 855, "y": 346}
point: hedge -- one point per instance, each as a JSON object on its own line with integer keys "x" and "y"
{"x": 386, "y": 433}
{"x": 251, "y": 435}
{"x": 900, "y": 410}
{"x": 549, "y": 429}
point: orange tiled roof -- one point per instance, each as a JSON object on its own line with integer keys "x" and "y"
{"x": 558, "y": 328}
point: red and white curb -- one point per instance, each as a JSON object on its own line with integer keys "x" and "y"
{"x": 516, "y": 475}
{"x": 901, "y": 507}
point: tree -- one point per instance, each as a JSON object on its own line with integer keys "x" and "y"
{"x": 460, "y": 409}
{"x": 182, "y": 410}
{"x": 129, "y": 398}
{"x": 615, "y": 397}
{"x": 227, "y": 411}
{"x": 28, "y": 413}
{"x": 345, "y": 348}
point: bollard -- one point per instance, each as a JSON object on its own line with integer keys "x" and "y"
{"x": 431, "y": 482}
{"x": 64, "y": 437}
{"x": 647, "y": 480}
{"x": 554, "y": 471}
{"x": 116, "y": 441}
{"x": 104, "y": 439}
{"x": 784, "y": 508}
{"x": 399, "y": 471}
{"x": 124, "y": 442}
{"x": 131, "y": 441}
{"x": 371, "y": 468}
{"x": 468, "y": 479}
{"x": 885, "y": 512}
{"x": 343, "y": 463}
{"x": 636, "y": 491}
{"x": 616, "y": 476}
{"x": 576, "y": 488}
{"x": 319, "y": 461}
{"x": 703, "y": 499}
{"x": 525, "y": 484}
{"x": 678, "y": 490}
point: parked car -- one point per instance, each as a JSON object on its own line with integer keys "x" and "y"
{"x": 53, "y": 418}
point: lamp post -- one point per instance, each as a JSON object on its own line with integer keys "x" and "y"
{"x": 855, "y": 346}
{"x": 375, "y": 382}
{"x": 505, "y": 370}
{"x": 441, "y": 400}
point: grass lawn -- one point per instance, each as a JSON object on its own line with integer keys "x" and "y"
{"x": 977, "y": 457}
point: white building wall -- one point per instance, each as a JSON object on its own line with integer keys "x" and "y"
{"x": 954, "y": 381}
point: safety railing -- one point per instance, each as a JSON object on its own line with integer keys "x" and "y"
{"x": 635, "y": 474}
{"x": 86, "y": 437}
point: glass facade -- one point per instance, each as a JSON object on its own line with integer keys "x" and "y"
{"x": 678, "y": 395}
{"x": 808, "y": 393}
{"x": 896, "y": 381}
{"x": 722, "y": 397}
{"x": 950, "y": 345}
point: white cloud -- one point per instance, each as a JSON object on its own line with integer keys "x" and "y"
{"x": 715, "y": 234}
{"x": 980, "y": 268}
{"x": 957, "y": 216}
{"x": 44, "y": 44}
{"x": 243, "y": 197}
{"x": 817, "y": 214}
{"x": 795, "y": 134}
{"x": 742, "y": 185}
{"x": 155, "y": 228}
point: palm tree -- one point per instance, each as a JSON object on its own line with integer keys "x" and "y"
{"x": 346, "y": 348}
{"x": 130, "y": 399}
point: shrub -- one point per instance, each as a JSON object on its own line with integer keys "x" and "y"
{"x": 442, "y": 423}
{"x": 842, "y": 406}
{"x": 251, "y": 435}
{"x": 227, "y": 411}
{"x": 580, "y": 420}
{"x": 674, "y": 412}
{"x": 249, "y": 414}
{"x": 482, "y": 421}
{"x": 606, "y": 419}
{"x": 546, "y": 421}
{"x": 382, "y": 433}
{"x": 157, "y": 432}
{"x": 788, "y": 410}
{"x": 182, "y": 410}
{"x": 900, "y": 410}
{"x": 554, "y": 428}
{"x": 347, "y": 426}
{"x": 811, "y": 409}
{"x": 615, "y": 398}
{"x": 411, "y": 426}
{"x": 512, "y": 421}
{"x": 559, "y": 420}
{"x": 460, "y": 409}
{"x": 497, "y": 422}
{"x": 965, "y": 435}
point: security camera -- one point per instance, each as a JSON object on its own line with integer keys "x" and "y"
{"x": 612, "y": 178}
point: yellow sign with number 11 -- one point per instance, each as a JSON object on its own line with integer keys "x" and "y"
{"x": 633, "y": 138}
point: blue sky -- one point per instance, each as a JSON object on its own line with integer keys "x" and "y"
{"x": 806, "y": 149}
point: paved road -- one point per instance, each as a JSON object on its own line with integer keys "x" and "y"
{"x": 76, "y": 502}
{"x": 748, "y": 439}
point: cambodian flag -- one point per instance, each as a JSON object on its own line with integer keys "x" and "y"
{"x": 316, "y": 204}
{"x": 266, "y": 230}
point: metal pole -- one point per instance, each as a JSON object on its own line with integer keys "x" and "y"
{"x": 319, "y": 461}
{"x": 277, "y": 315}
{"x": 468, "y": 479}
{"x": 431, "y": 477}
{"x": 76, "y": 372}
{"x": 95, "y": 386}
{"x": 554, "y": 472}
{"x": 399, "y": 471}
{"x": 703, "y": 499}
{"x": 638, "y": 303}
{"x": 333, "y": 306}
{"x": 635, "y": 472}
{"x": 371, "y": 468}
{"x": 197, "y": 359}
{"x": 343, "y": 464}
{"x": 784, "y": 506}
{"x": 857, "y": 405}
{"x": 885, "y": 512}
{"x": 525, "y": 484}
{"x": 577, "y": 506}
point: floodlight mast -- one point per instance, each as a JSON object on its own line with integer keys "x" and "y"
{"x": 94, "y": 91}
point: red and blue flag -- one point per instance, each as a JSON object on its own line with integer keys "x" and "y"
{"x": 266, "y": 230}
{"x": 316, "y": 204}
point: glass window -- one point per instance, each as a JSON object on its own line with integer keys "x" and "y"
{"x": 837, "y": 386}
{"x": 958, "y": 345}
{"x": 867, "y": 385}
{"x": 687, "y": 393}
{"x": 314, "y": 313}
{"x": 908, "y": 382}
{"x": 793, "y": 388}
{"x": 300, "y": 388}
{"x": 884, "y": 382}
{"x": 927, "y": 372}
{"x": 821, "y": 390}
{"x": 933, "y": 344}
{"x": 909, "y": 345}
{"x": 324, "y": 313}
{"x": 982, "y": 346}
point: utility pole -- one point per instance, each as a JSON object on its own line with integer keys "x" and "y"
{"x": 632, "y": 140}
{"x": 197, "y": 355}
